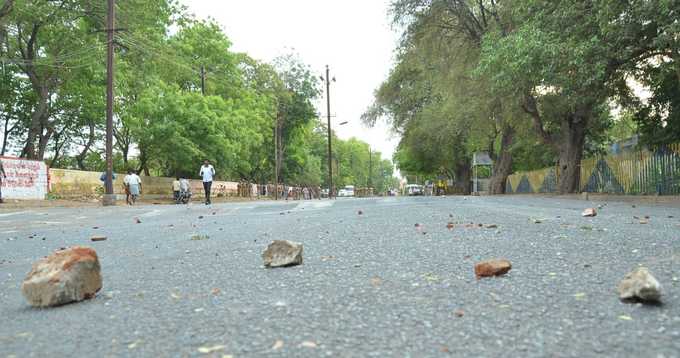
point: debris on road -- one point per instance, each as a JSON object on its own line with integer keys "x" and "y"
{"x": 360, "y": 212}
{"x": 281, "y": 253}
{"x": 65, "y": 276}
{"x": 277, "y": 345}
{"x": 98, "y": 238}
{"x": 590, "y": 212}
{"x": 208, "y": 350}
{"x": 308, "y": 344}
{"x": 639, "y": 285}
{"x": 137, "y": 221}
{"x": 450, "y": 226}
{"x": 199, "y": 237}
{"x": 459, "y": 313}
{"x": 494, "y": 267}
{"x": 492, "y": 226}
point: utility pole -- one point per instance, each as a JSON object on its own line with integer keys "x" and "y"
{"x": 203, "y": 80}
{"x": 276, "y": 158}
{"x": 109, "y": 198}
{"x": 370, "y": 167}
{"x": 331, "y": 193}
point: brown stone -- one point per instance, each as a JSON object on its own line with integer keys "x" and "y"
{"x": 98, "y": 238}
{"x": 495, "y": 267}
{"x": 67, "y": 275}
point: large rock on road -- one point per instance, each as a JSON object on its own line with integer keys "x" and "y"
{"x": 281, "y": 253}
{"x": 67, "y": 275}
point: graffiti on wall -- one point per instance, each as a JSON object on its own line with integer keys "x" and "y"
{"x": 26, "y": 179}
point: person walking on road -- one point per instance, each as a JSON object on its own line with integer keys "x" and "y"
{"x": 207, "y": 172}
{"x": 2, "y": 176}
{"x": 134, "y": 185}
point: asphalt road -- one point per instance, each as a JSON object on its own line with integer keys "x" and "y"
{"x": 371, "y": 285}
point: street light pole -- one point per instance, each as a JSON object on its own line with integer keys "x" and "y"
{"x": 328, "y": 116}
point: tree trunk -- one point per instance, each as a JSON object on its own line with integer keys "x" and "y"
{"x": 463, "y": 175}
{"x": 5, "y": 135}
{"x": 573, "y": 134}
{"x": 503, "y": 162}
{"x": 90, "y": 141}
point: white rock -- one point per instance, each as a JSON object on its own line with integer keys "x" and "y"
{"x": 640, "y": 285}
{"x": 282, "y": 253}
{"x": 65, "y": 276}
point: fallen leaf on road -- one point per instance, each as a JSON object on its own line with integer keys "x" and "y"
{"x": 580, "y": 295}
{"x": 327, "y": 258}
{"x": 643, "y": 222}
{"x": 376, "y": 281}
{"x": 208, "y": 350}
{"x": 215, "y": 291}
{"x": 586, "y": 227}
{"x": 624, "y": 317}
{"x": 444, "y": 349}
{"x": 309, "y": 344}
{"x": 552, "y": 274}
{"x": 278, "y": 344}
{"x": 199, "y": 237}
{"x": 635, "y": 217}
{"x": 175, "y": 296}
{"x": 134, "y": 344}
{"x": 537, "y": 221}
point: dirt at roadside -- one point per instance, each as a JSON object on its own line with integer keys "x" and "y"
{"x": 13, "y": 204}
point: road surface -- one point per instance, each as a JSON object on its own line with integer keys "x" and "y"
{"x": 372, "y": 285}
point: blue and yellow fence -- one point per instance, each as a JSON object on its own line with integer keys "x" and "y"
{"x": 641, "y": 172}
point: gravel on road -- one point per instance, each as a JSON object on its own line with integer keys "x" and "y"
{"x": 371, "y": 285}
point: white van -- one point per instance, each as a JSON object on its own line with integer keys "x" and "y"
{"x": 348, "y": 190}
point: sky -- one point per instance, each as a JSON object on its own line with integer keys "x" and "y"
{"x": 352, "y": 37}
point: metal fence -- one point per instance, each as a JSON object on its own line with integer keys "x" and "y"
{"x": 641, "y": 172}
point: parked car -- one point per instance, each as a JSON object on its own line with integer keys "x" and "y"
{"x": 324, "y": 193}
{"x": 413, "y": 189}
{"x": 348, "y": 190}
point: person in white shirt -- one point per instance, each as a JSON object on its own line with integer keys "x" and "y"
{"x": 134, "y": 185}
{"x": 207, "y": 172}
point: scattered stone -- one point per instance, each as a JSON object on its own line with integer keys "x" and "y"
{"x": 308, "y": 344}
{"x": 137, "y": 221}
{"x": 278, "y": 344}
{"x": 590, "y": 212}
{"x": 215, "y": 291}
{"x": 67, "y": 275}
{"x": 495, "y": 267}
{"x": 200, "y": 216}
{"x": 492, "y": 226}
{"x": 98, "y": 238}
{"x": 95, "y": 227}
{"x": 360, "y": 212}
{"x": 208, "y": 350}
{"x": 537, "y": 221}
{"x": 376, "y": 281}
{"x": 633, "y": 206}
{"x": 647, "y": 217}
{"x": 639, "y": 285}
{"x": 450, "y": 226}
{"x": 644, "y": 222}
{"x": 459, "y": 313}
{"x": 281, "y": 253}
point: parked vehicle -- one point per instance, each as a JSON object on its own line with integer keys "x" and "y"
{"x": 347, "y": 191}
{"x": 413, "y": 189}
{"x": 324, "y": 193}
